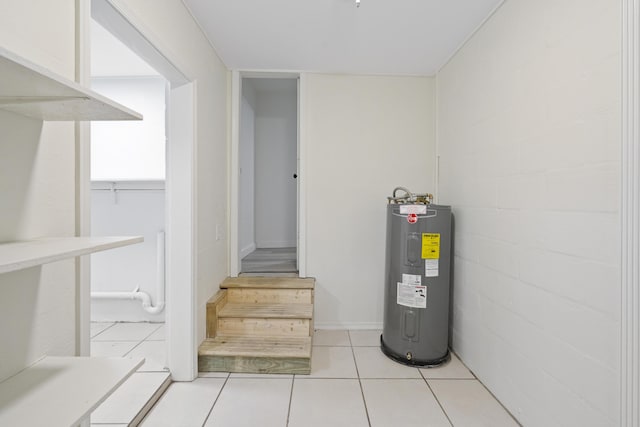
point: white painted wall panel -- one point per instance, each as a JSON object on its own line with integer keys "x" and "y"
{"x": 45, "y": 37}
{"x": 365, "y": 136}
{"x": 246, "y": 234}
{"x": 37, "y": 193}
{"x": 528, "y": 144}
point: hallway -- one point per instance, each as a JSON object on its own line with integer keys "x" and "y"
{"x": 270, "y": 260}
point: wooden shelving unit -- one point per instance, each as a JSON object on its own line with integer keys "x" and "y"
{"x": 61, "y": 391}
{"x": 19, "y": 255}
{"x": 33, "y": 91}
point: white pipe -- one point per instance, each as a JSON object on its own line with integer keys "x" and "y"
{"x": 139, "y": 295}
{"x": 161, "y": 281}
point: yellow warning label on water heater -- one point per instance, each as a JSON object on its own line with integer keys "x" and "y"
{"x": 431, "y": 245}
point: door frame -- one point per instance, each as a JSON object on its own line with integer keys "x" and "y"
{"x": 234, "y": 167}
{"x": 180, "y": 206}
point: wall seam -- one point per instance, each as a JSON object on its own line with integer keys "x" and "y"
{"x": 471, "y": 36}
{"x": 630, "y": 219}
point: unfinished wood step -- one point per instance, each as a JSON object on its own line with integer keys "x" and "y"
{"x": 256, "y": 346}
{"x": 270, "y": 296}
{"x": 268, "y": 282}
{"x": 214, "y": 305}
{"x": 267, "y": 311}
{"x": 264, "y": 355}
{"x": 256, "y": 327}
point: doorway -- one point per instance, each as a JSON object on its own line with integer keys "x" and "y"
{"x": 127, "y": 186}
{"x": 179, "y": 206}
{"x": 268, "y": 175}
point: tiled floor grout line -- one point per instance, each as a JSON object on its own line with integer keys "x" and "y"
{"x": 435, "y": 397}
{"x": 479, "y": 382}
{"x": 160, "y": 324}
{"x": 137, "y": 345}
{"x": 489, "y": 391}
{"x": 499, "y": 402}
{"x": 102, "y": 331}
{"x": 134, "y": 347}
{"x": 216, "y": 399}
{"x": 364, "y": 401}
{"x": 155, "y": 330}
{"x": 293, "y": 379}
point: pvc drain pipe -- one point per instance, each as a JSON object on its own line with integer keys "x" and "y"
{"x": 139, "y": 295}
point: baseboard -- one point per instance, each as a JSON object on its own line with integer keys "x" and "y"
{"x": 349, "y": 325}
{"x": 276, "y": 244}
{"x": 247, "y": 250}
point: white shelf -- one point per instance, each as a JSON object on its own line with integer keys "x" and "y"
{"x": 33, "y": 91}
{"x": 61, "y": 391}
{"x": 19, "y": 255}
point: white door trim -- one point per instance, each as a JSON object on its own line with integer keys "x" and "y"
{"x": 302, "y": 177}
{"x": 181, "y": 201}
{"x": 234, "y": 175}
{"x": 234, "y": 167}
{"x": 181, "y": 235}
{"x": 630, "y": 218}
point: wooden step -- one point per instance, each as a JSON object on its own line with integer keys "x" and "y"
{"x": 268, "y": 283}
{"x": 214, "y": 305}
{"x": 257, "y": 327}
{"x": 265, "y": 355}
{"x": 265, "y": 320}
{"x": 270, "y": 296}
{"x": 267, "y": 311}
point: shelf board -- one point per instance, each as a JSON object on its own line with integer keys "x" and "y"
{"x": 33, "y": 91}
{"x": 19, "y": 255}
{"x": 61, "y": 391}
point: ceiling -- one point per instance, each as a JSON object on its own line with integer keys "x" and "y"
{"x": 397, "y": 37}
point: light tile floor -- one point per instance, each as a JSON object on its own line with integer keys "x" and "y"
{"x": 351, "y": 384}
{"x": 129, "y": 340}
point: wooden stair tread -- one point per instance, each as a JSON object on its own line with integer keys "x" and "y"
{"x": 267, "y": 311}
{"x": 280, "y": 347}
{"x": 268, "y": 282}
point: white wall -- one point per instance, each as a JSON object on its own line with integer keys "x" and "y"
{"x": 246, "y": 232}
{"x": 37, "y": 194}
{"x": 130, "y": 150}
{"x": 134, "y": 209}
{"x": 106, "y": 48}
{"x": 529, "y": 143}
{"x": 275, "y": 163}
{"x": 172, "y": 29}
{"x": 365, "y": 136}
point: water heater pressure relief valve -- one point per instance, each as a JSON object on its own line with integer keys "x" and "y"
{"x": 409, "y": 197}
